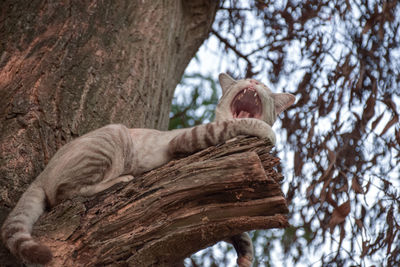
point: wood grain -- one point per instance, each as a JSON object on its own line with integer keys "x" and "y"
{"x": 167, "y": 214}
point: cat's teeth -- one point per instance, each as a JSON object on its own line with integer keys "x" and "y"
{"x": 245, "y": 90}
{"x": 255, "y": 94}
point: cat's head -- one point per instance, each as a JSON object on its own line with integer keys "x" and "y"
{"x": 249, "y": 98}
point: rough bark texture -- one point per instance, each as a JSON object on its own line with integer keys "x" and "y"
{"x": 68, "y": 67}
{"x": 169, "y": 213}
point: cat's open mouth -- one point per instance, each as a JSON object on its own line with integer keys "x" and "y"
{"x": 246, "y": 104}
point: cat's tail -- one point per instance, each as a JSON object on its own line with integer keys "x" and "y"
{"x": 17, "y": 228}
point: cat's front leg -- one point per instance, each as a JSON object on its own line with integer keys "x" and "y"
{"x": 202, "y": 136}
{"x": 90, "y": 190}
{"x": 244, "y": 249}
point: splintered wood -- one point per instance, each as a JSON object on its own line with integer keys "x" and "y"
{"x": 167, "y": 214}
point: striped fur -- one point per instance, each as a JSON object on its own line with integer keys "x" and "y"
{"x": 78, "y": 168}
{"x": 206, "y": 135}
{"x": 244, "y": 248}
{"x": 114, "y": 154}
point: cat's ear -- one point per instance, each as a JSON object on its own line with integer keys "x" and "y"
{"x": 226, "y": 82}
{"x": 283, "y": 101}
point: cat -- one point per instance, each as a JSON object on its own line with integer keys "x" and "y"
{"x": 115, "y": 153}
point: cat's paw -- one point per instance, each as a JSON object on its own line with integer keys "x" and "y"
{"x": 259, "y": 128}
{"x": 270, "y": 134}
{"x": 244, "y": 261}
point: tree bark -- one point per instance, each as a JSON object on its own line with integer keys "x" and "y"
{"x": 165, "y": 215}
{"x": 68, "y": 67}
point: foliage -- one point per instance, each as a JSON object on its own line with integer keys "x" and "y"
{"x": 189, "y": 108}
{"x": 341, "y": 140}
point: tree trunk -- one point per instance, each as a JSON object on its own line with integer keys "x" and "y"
{"x": 165, "y": 215}
{"x": 68, "y": 67}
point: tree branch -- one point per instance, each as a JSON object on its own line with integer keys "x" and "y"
{"x": 249, "y": 70}
{"x": 169, "y": 213}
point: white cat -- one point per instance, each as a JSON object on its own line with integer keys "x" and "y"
{"x": 114, "y": 153}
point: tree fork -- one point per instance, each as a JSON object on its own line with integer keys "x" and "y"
{"x": 167, "y": 214}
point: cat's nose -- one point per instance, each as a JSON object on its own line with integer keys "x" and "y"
{"x": 253, "y": 82}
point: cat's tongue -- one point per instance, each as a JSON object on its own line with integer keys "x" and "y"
{"x": 243, "y": 114}
{"x": 246, "y": 104}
